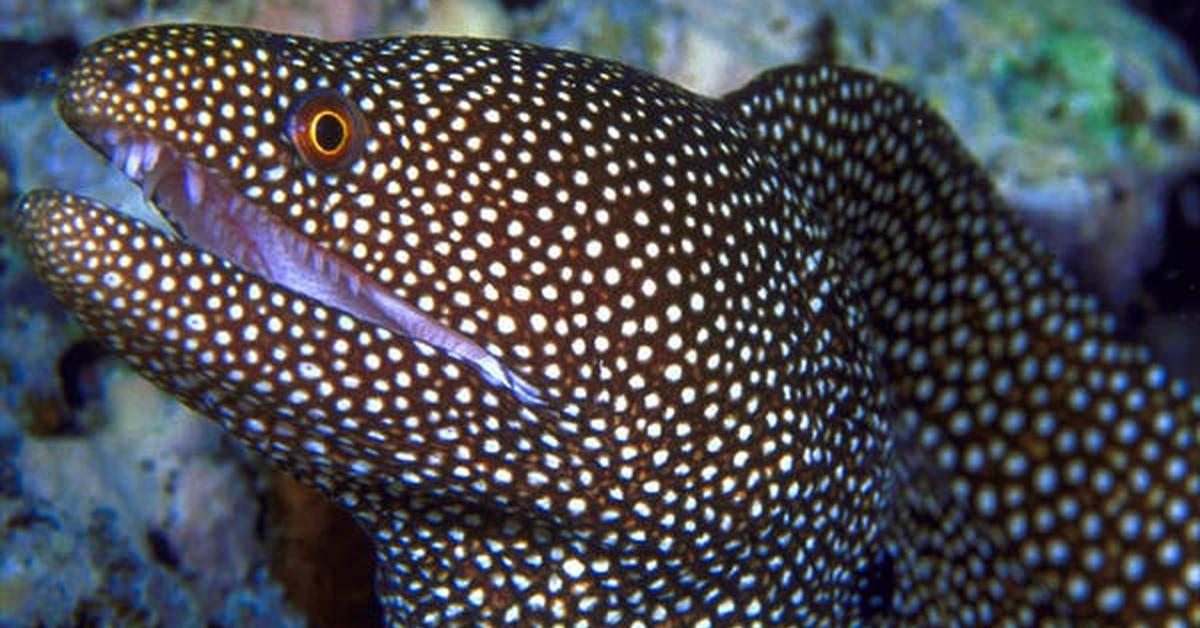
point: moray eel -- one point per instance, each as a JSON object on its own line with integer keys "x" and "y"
{"x": 573, "y": 343}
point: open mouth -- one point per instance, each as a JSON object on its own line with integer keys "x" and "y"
{"x": 203, "y": 209}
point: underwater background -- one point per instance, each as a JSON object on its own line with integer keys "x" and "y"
{"x": 117, "y": 506}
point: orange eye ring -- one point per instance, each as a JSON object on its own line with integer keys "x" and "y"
{"x": 327, "y": 130}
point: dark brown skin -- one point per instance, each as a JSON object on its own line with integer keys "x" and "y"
{"x": 596, "y": 347}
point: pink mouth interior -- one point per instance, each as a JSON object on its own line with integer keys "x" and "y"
{"x": 211, "y": 215}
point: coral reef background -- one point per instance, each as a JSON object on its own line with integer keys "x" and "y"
{"x": 118, "y": 506}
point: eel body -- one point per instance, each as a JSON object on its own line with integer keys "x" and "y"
{"x": 575, "y": 344}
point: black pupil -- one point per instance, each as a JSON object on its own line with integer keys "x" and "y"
{"x": 330, "y": 132}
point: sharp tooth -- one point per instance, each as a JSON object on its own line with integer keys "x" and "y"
{"x": 234, "y": 210}
{"x": 217, "y": 231}
{"x": 133, "y": 161}
{"x": 193, "y": 184}
{"x": 150, "y": 156}
{"x": 120, "y": 153}
{"x": 315, "y": 261}
{"x": 318, "y": 259}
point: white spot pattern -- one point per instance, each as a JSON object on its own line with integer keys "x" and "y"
{"x": 704, "y": 291}
{"x": 1057, "y": 459}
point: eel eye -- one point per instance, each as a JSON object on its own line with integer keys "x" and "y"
{"x": 326, "y": 129}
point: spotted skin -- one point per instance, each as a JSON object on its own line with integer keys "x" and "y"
{"x": 780, "y": 357}
{"x": 1072, "y": 450}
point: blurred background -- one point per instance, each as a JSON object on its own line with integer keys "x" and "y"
{"x": 119, "y": 507}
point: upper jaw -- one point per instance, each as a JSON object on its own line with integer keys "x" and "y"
{"x": 198, "y": 204}
{"x": 202, "y": 207}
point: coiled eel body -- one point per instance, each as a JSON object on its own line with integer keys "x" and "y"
{"x": 573, "y": 343}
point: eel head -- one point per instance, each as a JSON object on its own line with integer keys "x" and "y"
{"x": 451, "y": 276}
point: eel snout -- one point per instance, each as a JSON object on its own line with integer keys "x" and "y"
{"x": 117, "y": 97}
